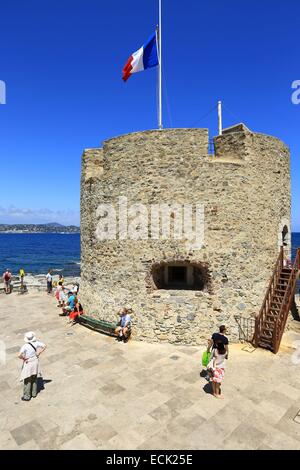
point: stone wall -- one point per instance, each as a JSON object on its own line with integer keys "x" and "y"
{"x": 245, "y": 190}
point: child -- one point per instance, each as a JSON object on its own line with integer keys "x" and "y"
{"x": 217, "y": 368}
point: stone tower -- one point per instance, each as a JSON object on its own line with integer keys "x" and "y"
{"x": 181, "y": 289}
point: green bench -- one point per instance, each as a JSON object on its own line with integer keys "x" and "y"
{"x": 98, "y": 325}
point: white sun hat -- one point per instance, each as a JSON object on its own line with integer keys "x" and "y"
{"x": 29, "y": 336}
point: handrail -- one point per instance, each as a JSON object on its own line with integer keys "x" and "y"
{"x": 281, "y": 320}
{"x": 259, "y": 320}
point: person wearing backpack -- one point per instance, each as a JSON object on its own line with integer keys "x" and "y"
{"x": 29, "y": 354}
{"x": 7, "y": 281}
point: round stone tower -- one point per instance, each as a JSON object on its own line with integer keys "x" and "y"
{"x": 187, "y": 238}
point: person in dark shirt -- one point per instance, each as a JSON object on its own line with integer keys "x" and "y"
{"x": 219, "y": 338}
{"x": 215, "y": 340}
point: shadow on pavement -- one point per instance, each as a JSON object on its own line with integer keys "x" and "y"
{"x": 41, "y": 383}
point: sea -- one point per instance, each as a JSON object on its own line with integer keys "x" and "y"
{"x": 37, "y": 252}
{"x": 295, "y": 243}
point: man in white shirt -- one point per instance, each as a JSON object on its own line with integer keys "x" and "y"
{"x": 49, "y": 281}
{"x": 124, "y": 329}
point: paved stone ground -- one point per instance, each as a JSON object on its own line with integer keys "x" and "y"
{"x": 100, "y": 394}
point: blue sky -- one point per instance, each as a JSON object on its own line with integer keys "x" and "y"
{"x": 62, "y": 61}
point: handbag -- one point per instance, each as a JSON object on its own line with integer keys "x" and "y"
{"x": 205, "y": 358}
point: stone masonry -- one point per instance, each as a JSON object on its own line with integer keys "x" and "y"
{"x": 245, "y": 191}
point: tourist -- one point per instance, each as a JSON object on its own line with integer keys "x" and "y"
{"x": 60, "y": 280}
{"x": 49, "y": 281}
{"x": 70, "y": 303}
{"x": 78, "y": 310}
{"x": 219, "y": 337}
{"x": 57, "y": 294}
{"x": 212, "y": 345}
{"x": 75, "y": 288}
{"x": 29, "y": 353}
{"x": 7, "y": 281}
{"x": 62, "y": 296}
{"x": 22, "y": 275}
{"x": 287, "y": 263}
{"x": 216, "y": 368}
{"x": 123, "y": 330}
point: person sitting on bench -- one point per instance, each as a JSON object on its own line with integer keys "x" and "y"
{"x": 70, "y": 304}
{"x": 124, "y": 329}
{"x": 78, "y": 310}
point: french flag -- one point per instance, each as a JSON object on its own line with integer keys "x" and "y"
{"x": 144, "y": 58}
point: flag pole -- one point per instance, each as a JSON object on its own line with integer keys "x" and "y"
{"x": 160, "y": 124}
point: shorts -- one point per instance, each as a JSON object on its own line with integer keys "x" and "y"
{"x": 217, "y": 375}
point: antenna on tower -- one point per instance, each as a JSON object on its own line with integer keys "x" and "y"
{"x": 220, "y": 117}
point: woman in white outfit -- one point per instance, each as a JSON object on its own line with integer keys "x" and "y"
{"x": 29, "y": 353}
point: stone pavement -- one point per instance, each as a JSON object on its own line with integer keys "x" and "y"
{"x": 100, "y": 394}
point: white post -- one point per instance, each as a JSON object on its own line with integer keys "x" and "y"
{"x": 160, "y": 124}
{"x": 220, "y": 117}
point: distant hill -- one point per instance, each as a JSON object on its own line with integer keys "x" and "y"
{"x": 52, "y": 227}
{"x": 54, "y": 224}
